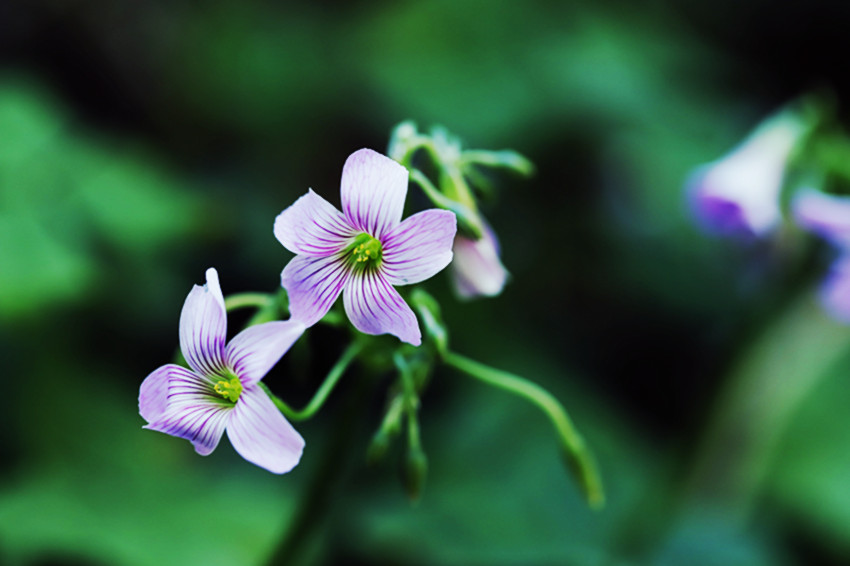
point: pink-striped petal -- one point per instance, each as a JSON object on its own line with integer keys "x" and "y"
{"x": 374, "y": 307}
{"x": 313, "y": 227}
{"x": 313, "y": 284}
{"x": 193, "y": 411}
{"x": 261, "y": 435}
{"x": 419, "y": 247}
{"x": 203, "y": 326}
{"x": 476, "y": 268}
{"x": 373, "y": 191}
{"x": 253, "y": 352}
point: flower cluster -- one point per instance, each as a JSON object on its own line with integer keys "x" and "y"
{"x": 741, "y": 194}
{"x": 363, "y": 252}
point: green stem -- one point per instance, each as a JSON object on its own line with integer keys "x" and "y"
{"x": 506, "y": 158}
{"x": 415, "y": 461}
{"x": 324, "y": 390}
{"x": 244, "y": 300}
{"x": 578, "y": 456}
{"x": 467, "y": 217}
{"x": 411, "y": 401}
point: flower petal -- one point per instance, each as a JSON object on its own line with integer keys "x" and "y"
{"x": 153, "y": 394}
{"x": 373, "y": 191}
{"x": 313, "y": 227}
{"x": 476, "y": 268}
{"x": 253, "y": 352}
{"x": 419, "y": 247}
{"x": 193, "y": 411}
{"x": 374, "y": 307}
{"x": 835, "y": 290}
{"x": 262, "y": 435}
{"x": 825, "y": 215}
{"x": 313, "y": 284}
{"x": 203, "y": 327}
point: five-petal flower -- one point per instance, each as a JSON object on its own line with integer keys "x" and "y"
{"x": 363, "y": 251}
{"x": 221, "y": 389}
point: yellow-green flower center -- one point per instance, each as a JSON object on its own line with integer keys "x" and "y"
{"x": 365, "y": 251}
{"x": 229, "y": 387}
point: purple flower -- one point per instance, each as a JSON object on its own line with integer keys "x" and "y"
{"x": 739, "y": 193}
{"x": 221, "y": 391}
{"x": 828, "y": 216}
{"x": 476, "y": 268}
{"x": 363, "y": 251}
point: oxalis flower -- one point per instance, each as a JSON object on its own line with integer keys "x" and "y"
{"x": 363, "y": 251}
{"x": 221, "y": 390}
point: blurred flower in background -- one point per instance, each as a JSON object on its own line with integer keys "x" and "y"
{"x": 828, "y": 216}
{"x": 739, "y": 194}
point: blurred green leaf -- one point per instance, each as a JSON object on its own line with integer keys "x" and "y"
{"x": 66, "y": 197}
{"x": 95, "y": 484}
{"x": 809, "y": 473}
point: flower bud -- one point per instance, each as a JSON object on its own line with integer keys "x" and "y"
{"x": 476, "y": 268}
{"x": 415, "y": 472}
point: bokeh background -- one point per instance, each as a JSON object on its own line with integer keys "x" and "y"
{"x": 142, "y": 142}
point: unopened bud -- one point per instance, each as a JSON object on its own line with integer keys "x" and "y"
{"x": 415, "y": 473}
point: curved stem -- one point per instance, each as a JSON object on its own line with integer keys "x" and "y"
{"x": 466, "y": 214}
{"x": 578, "y": 456}
{"x": 245, "y": 300}
{"x": 324, "y": 390}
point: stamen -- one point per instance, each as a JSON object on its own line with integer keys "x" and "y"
{"x": 366, "y": 250}
{"x": 230, "y": 389}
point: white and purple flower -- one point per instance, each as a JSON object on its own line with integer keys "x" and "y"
{"x": 828, "y": 216}
{"x": 364, "y": 251}
{"x": 221, "y": 391}
{"x": 738, "y": 195}
{"x": 476, "y": 269}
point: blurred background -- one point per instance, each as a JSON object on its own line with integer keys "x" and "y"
{"x": 142, "y": 142}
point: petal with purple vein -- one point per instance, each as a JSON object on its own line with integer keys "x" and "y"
{"x": 203, "y": 326}
{"x": 419, "y": 247}
{"x": 374, "y": 307}
{"x": 313, "y": 284}
{"x": 253, "y": 352}
{"x": 373, "y": 191}
{"x": 193, "y": 410}
{"x": 313, "y": 227}
{"x": 261, "y": 435}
